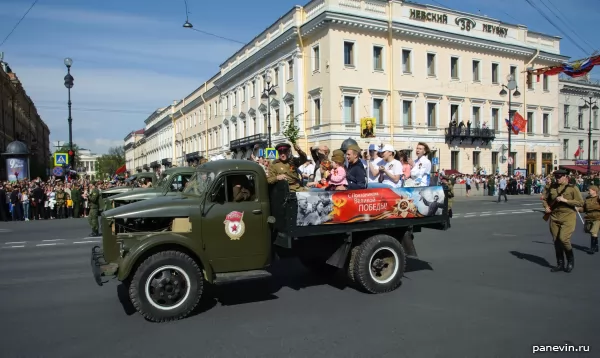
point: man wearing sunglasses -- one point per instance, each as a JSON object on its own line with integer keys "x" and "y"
{"x": 286, "y": 167}
{"x": 561, "y": 200}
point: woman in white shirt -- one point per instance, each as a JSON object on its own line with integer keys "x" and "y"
{"x": 387, "y": 170}
{"x": 420, "y": 171}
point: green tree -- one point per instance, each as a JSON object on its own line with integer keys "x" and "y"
{"x": 107, "y": 164}
{"x": 64, "y": 148}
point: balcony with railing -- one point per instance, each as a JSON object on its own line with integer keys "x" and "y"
{"x": 248, "y": 142}
{"x": 485, "y": 135}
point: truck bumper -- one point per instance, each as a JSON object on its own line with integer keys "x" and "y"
{"x": 101, "y": 269}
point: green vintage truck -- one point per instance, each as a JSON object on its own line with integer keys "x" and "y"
{"x": 172, "y": 181}
{"x": 132, "y": 180}
{"x": 229, "y": 225}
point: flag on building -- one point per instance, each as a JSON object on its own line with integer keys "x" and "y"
{"x": 579, "y": 151}
{"x": 519, "y": 123}
{"x": 514, "y": 129}
{"x": 574, "y": 69}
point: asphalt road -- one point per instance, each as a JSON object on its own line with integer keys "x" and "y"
{"x": 483, "y": 289}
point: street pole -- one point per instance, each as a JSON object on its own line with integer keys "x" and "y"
{"x": 69, "y": 84}
{"x": 268, "y": 94}
{"x": 592, "y": 105}
{"x": 510, "y": 86}
{"x": 269, "y": 120}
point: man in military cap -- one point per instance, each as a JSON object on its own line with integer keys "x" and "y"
{"x": 94, "y": 204}
{"x": 76, "y": 197}
{"x": 286, "y": 167}
{"x": 561, "y": 201}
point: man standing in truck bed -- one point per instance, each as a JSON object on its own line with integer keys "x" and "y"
{"x": 286, "y": 167}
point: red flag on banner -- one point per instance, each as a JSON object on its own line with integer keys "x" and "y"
{"x": 121, "y": 169}
{"x": 519, "y": 123}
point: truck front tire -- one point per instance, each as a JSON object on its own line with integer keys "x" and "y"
{"x": 167, "y": 286}
{"x": 378, "y": 264}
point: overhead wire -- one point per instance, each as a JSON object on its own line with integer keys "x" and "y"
{"x": 566, "y": 22}
{"x": 18, "y": 22}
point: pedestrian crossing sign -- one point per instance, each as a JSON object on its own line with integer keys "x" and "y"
{"x": 61, "y": 159}
{"x": 272, "y": 154}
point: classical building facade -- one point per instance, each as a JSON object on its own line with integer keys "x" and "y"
{"x": 87, "y": 163}
{"x": 19, "y": 120}
{"x": 410, "y": 68}
{"x": 574, "y": 123}
{"x": 131, "y": 148}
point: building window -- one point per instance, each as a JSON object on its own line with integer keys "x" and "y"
{"x": 581, "y": 150}
{"x": 595, "y": 149}
{"x": 529, "y": 80}
{"x": 378, "y": 58}
{"x": 253, "y": 88}
{"x": 244, "y": 93}
{"x": 244, "y": 129}
{"x": 378, "y": 110}
{"x": 431, "y": 64}
{"x": 566, "y": 115}
{"x": 595, "y": 119}
{"x": 495, "y": 74}
{"x": 290, "y": 70}
{"x": 454, "y": 68}
{"x": 476, "y": 162}
{"x": 291, "y": 112}
{"x": 407, "y": 113}
{"x": 277, "y": 121}
{"x": 546, "y": 123}
{"x": 546, "y": 83}
{"x": 235, "y": 99}
{"x": 476, "y": 77}
{"x": 454, "y": 157}
{"x": 316, "y": 58}
{"x": 476, "y": 117}
{"x": 406, "y": 61}
{"x": 349, "y": 53}
{"x": 431, "y": 114}
{"x": 254, "y": 125}
{"x": 454, "y": 111}
{"x": 513, "y": 72}
{"x": 275, "y": 77}
{"x": 580, "y": 118}
{"x": 349, "y": 109}
{"x": 529, "y": 122}
{"x": 496, "y": 119}
{"x": 317, "y": 111}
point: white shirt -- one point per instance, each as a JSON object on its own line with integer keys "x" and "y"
{"x": 372, "y": 164}
{"x": 421, "y": 171}
{"x": 394, "y": 167}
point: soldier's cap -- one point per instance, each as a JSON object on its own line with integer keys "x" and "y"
{"x": 338, "y": 155}
{"x": 560, "y": 172}
{"x": 283, "y": 147}
{"x": 354, "y": 147}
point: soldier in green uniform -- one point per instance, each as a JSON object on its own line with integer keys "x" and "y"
{"x": 561, "y": 200}
{"x": 491, "y": 185}
{"x": 76, "y": 197}
{"x": 94, "y": 204}
{"x": 448, "y": 183}
{"x": 286, "y": 167}
{"x": 591, "y": 207}
{"x": 61, "y": 200}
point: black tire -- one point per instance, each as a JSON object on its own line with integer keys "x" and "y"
{"x": 386, "y": 251}
{"x": 188, "y": 278}
{"x": 318, "y": 266}
{"x": 352, "y": 263}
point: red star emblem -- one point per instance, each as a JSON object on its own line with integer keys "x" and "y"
{"x": 234, "y": 228}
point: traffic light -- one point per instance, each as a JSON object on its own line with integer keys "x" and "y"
{"x": 71, "y": 158}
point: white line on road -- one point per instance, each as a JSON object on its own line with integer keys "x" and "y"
{"x": 53, "y": 244}
{"x": 84, "y": 242}
{"x": 53, "y": 240}
{"x": 485, "y": 214}
{"x": 13, "y": 247}
{"x": 14, "y": 242}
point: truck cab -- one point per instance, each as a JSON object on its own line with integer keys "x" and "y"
{"x": 229, "y": 224}
{"x": 172, "y": 181}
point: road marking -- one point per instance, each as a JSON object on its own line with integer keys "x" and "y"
{"x": 502, "y": 213}
{"x": 53, "y": 240}
{"x": 14, "y": 242}
{"x": 504, "y": 235}
{"x": 485, "y": 214}
{"x": 13, "y": 247}
{"x": 53, "y": 244}
{"x": 83, "y": 242}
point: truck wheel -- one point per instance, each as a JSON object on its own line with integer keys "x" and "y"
{"x": 379, "y": 264}
{"x": 167, "y": 286}
{"x": 352, "y": 263}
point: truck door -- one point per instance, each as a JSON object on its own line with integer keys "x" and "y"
{"x": 234, "y": 228}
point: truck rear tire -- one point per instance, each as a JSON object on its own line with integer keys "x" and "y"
{"x": 167, "y": 286}
{"x": 378, "y": 264}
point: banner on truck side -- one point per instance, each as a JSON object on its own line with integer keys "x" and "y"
{"x": 350, "y": 206}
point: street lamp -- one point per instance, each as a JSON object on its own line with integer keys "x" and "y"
{"x": 69, "y": 84}
{"x": 187, "y": 24}
{"x": 510, "y": 86}
{"x": 268, "y": 95}
{"x": 593, "y": 104}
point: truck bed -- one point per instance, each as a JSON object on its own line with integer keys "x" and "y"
{"x": 316, "y": 213}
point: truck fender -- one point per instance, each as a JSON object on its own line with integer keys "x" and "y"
{"x": 170, "y": 241}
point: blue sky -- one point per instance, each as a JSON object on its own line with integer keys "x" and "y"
{"x": 131, "y": 57}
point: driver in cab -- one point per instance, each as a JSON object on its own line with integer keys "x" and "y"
{"x": 241, "y": 190}
{"x": 286, "y": 167}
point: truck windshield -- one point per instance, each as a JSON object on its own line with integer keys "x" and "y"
{"x": 199, "y": 183}
{"x": 164, "y": 178}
